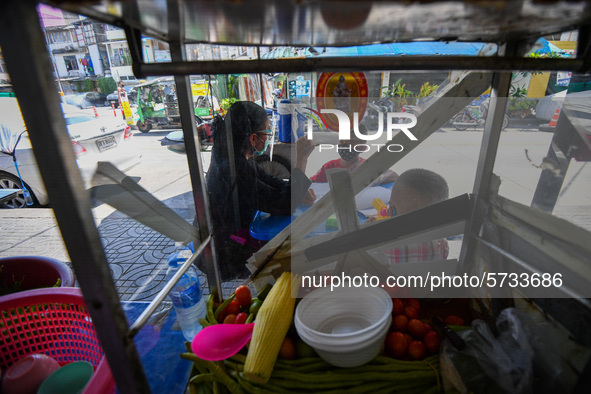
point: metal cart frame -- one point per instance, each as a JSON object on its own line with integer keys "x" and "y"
{"x": 29, "y": 65}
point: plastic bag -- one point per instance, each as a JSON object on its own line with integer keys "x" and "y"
{"x": 503, "y": 364}
{"x": 547, "y": 363}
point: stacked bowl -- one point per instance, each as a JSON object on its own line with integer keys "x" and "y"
{"x": 346, "y": 326}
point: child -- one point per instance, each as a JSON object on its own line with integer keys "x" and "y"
{"x": 350, "y": 160}
{"x": 415, "y": 189}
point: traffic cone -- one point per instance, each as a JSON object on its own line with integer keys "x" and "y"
{"x": 95, "y": 113}
{"x": 114, "y": 112}
{"x": 552, "y": 125}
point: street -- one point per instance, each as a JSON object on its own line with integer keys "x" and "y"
{"x": 451, "y": 153}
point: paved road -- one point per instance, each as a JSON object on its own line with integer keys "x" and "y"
{"x": 137, "y": 254}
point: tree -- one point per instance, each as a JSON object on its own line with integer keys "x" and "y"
{"x": 88, "y": 86}
{"x": 106, "y": 85}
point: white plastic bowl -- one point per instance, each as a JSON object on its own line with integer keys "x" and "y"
{"x": 346, "y": 326}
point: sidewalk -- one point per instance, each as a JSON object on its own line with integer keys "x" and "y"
{"x": 136, "y": 254}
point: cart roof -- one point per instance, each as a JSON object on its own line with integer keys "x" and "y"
{"x": 339, "y": 23}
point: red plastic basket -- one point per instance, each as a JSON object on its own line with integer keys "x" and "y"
{"x": 53, "y": 321}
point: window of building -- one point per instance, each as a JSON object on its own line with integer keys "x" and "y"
{"x": 89, "y": 34}
{"x": 71, "y": 63}
{"x": 120, "y": 57}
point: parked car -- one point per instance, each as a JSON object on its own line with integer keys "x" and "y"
{"x": 94, "y": 139}
{"x": 113, "y": 98}
{"x": 88, "y": 100}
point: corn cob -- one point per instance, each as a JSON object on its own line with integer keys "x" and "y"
{"x": 381, "y": 208}
{"x": 273, "y": 321}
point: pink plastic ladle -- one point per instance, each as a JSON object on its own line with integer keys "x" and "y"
{"x": 221, "y": 341}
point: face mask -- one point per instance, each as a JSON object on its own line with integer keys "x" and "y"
{"x": 346, "y": 154}
{"x": 260, "y": 152}
{"x": 391, "y": 210}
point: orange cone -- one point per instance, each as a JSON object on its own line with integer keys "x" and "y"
{"x": 552, "y": 125}
{"x": 554, "y": 119}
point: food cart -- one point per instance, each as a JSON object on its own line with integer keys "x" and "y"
{"x": 497, "y": 233}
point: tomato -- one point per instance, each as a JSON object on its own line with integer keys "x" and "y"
{"x": 397, "y": 306}
{"x": 416, "y": 328}
{"x": 396, "y": 344}
{"x": 410, "y": 312}
{"x": 288, "y": 349}
{"x": 414, "y": 303}
{"x": 222, "y": 316}
{"x": 453, "y": 320}
{"x": 408, "y": 337}
{"x": 432, "y": 341}
{"x": 230, "y": 319}
{"x": 243, "y": 296}
{"x": 417, "y": 350}
{"x": 399, "y": 323}
{"x": 241, "y": 318}
{"x": 233, "y": 307}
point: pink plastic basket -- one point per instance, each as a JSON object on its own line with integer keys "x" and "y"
{"x": 53, "y": 321}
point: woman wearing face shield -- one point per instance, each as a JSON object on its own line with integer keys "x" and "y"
{"x": 238, "y": 187}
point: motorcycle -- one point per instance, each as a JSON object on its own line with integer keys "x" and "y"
{"x": 474, "y": 116}
{"x": 175, "y": 140}
{"x": 412, "y": 109}
{"x": 374, "y": 109}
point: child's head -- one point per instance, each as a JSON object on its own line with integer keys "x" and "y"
{"x": 417, "y": 188}
{"x": 347, "y": 148}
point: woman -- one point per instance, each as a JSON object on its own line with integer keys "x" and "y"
{"x": 234, "y": 200}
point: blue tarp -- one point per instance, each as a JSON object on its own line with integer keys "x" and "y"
{"x": 542, "y": 46}
{"x": 404, "y": 48}
{"x": 427, "y": 48}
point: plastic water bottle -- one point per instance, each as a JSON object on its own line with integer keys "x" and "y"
{"x": 27, "y": 197}
{"x": 186, "y": 296}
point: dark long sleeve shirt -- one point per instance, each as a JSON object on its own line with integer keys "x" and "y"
{"x": 257, "y": 190}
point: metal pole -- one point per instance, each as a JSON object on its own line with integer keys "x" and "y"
{"x": 375, "y": 63}
{"x": 23, "y": 45}
{"x": 192, "y": 145}
{"x": 143, "y": 318}
{"x": 261, "y": 80}
{"x": 501, "y": 83}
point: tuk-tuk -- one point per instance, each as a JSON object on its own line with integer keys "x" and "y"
{"x": 157, "y": 104}
{"x": 205, "y": 103}
{"x": 204, "y": 108}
